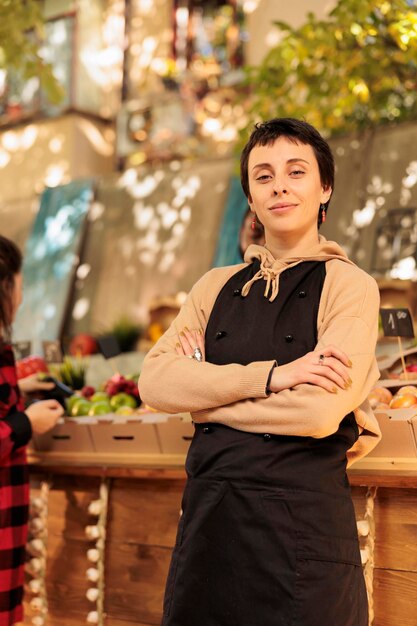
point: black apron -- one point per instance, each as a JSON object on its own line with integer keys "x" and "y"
{"x": 268, "y": 533}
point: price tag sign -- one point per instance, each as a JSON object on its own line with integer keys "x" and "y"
{"x": 397, "y": 323}
{"x": 21, "y": 349}
{"x": 52, "y": 351}
{"x": 109, "y": 346}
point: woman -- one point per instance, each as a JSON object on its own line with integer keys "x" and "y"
{"x": 268, "y": 534}
{"x": 16, "y": 428}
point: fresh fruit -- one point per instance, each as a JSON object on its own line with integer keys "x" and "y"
{"x": 69, "y": 402}
{"x": 382, "y": 405}
{"x": 30, "y": 365}
{"x": 87, "y": 391}
{"x": 407, "y": 389}
{"x": 411, "y": 368}
{"x": 120, "y": 384}
{"x": 122, "y": 399}
{"x": 99, "y": 408}
{"x": 378, "y": 395}
{"x": 124, "y": 410}
{"x": 82, "y": 345}
{"x": 81, "y": 407}
{"x": 100, "y": 396}
{"x": 404, "y": 401}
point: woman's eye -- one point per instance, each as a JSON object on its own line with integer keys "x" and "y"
{"x": 297, "y": 172}
{"x": 264, "y": 177}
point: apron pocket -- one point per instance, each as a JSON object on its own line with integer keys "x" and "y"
{"x": 330, "y": 587}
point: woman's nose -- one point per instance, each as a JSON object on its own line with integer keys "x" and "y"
{"x": 279, "y": 188}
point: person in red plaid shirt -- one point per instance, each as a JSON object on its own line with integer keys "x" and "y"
{"x": 16, "y": 427}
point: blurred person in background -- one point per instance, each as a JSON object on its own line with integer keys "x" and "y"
{"x": 17, "y": 425}
{"x": 251, "y": 231}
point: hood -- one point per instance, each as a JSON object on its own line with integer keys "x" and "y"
{"x": 271, "y": 268}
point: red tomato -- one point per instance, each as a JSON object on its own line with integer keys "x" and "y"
{"x": 30, "y": 365}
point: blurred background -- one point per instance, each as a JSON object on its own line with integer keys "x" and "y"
{"x": 121, "y": 123}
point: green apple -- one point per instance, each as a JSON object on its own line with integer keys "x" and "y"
{"x": 99, "y": 408}
{"x": 81, "y": 407}
{"x": 122, "y": 399}
{"x": 99, "y": 396}
{"x": 124, "y": 410}
{"x": 69, "y": 402}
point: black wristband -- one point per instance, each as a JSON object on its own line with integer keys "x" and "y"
{"x": 268, "y": 382}
{"x": 21, "y": 428}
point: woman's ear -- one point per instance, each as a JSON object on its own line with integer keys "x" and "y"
{"x": 326, "y": 194}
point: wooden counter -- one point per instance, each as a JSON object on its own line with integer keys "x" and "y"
{"x": 144, "y": 504}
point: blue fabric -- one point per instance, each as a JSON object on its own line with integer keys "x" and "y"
{"x": 227, "y": 252}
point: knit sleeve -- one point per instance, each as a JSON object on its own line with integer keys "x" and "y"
{"x": 174, "y": 383}
{"x": 15, "y": 427}
{"x": 348, "y": 319}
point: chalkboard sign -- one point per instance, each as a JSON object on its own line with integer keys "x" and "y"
{"x": 52, "y": 351}
{"x": 21, "y": 349}
{"x": 50, "y": 259}
{"x": 109, "y": 346}
{"x": 397, "y": 323}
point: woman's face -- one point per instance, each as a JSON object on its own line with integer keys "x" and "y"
{"x": 285, "y": 187}
{"x": 17, "y": 294}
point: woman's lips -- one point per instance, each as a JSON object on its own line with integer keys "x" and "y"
{"x": 282, "y": 208}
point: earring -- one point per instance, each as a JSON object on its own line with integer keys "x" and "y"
{"x": 323, "y": 213}
{"x": 253, "y": 223}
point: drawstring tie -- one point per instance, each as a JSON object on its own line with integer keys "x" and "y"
{"x": 271, "y": 275}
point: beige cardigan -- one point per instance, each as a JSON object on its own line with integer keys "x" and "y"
{"x": 235, "y": 395}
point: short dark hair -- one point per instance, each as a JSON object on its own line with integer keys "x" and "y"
{"x": 10, "y": 265}
{"x": 297, "y": 131}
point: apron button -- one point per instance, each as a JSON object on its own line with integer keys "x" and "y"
{"x": 237, "y": 292}
{"x": 220, "y": 334}
{"x": 302, "y": 294}
{"x": 267, "y": 437}
{"x": 289, "y": 338}
{"x": 206, "y": 430}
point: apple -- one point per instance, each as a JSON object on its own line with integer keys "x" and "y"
{"x": 100, "y": 396}
{"x": 122, "y": 399}
{"x": 124, "y": 410}
{"x": 87, "y": 391}
{"x": 80, "y": 407}
{"x": 69, "y": 402}
{"x": 82, "y": 345}
{"x": 99, "y": 408}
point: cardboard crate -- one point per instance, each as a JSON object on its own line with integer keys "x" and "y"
{"x": 175, "y": 434}
{"x": 114, "y": 434}
{"x": 69, "y": 435}
{"x": 398, "y": 428}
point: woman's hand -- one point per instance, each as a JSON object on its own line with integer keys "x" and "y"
{"x": 31, "y": 384}
{"x": 43, "y": 415}
{"x": 189, "y": 340}
{"x": 326, "y": 368}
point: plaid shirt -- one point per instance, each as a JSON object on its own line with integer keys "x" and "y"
{"x": 15, "y": 432}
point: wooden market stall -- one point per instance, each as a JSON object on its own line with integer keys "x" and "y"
{"x": 143, "y": 493}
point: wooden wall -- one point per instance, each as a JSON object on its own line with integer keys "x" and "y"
{"x": 395, "y": 573}
{"x": 143, "y": 515}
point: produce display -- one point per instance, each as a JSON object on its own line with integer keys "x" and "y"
{"x": 404, "y": 398}
{"x": 119, "y": 394}
{"x": 30, "y": 365}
